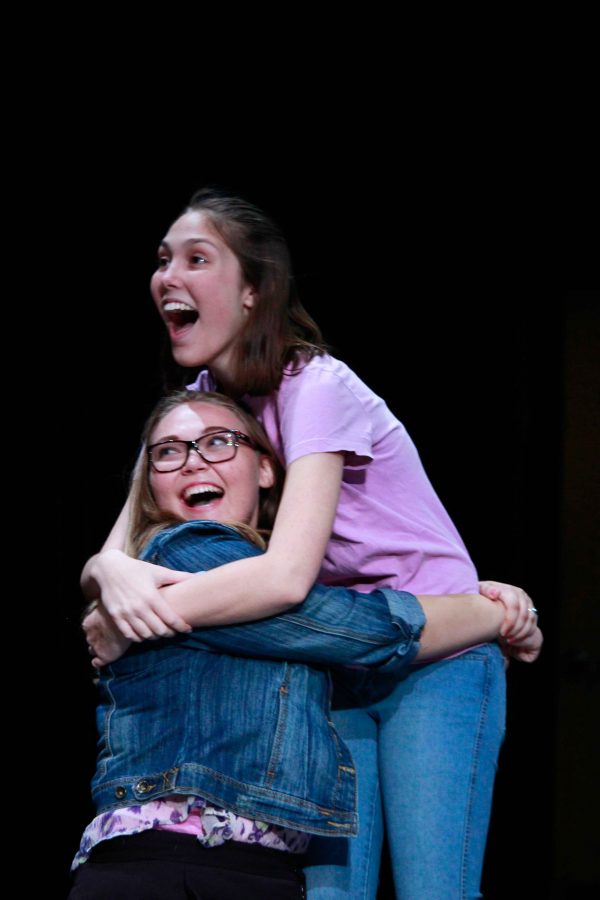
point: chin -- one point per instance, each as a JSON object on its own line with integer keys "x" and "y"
{"x": 187, "y": 360}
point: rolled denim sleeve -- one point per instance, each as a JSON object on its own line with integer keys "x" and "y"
{"x": 334, "y": 626}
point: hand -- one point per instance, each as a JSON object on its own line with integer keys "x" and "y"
{"x": 129, "y": 591}
{"x": 528, "y": 649}
{"x": 105, "y": 642}
{"x": 520, "y": 620}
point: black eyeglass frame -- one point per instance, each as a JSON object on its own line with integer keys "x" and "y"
{"x": 238, "y": 437}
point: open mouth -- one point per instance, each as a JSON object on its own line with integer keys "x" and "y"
{"x": 199, "y": 495}
{"x": 179, "y": 314}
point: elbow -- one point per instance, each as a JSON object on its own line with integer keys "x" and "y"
{"x": 289, "y": 589}
{"x": 291, "y": 595}
{"x": 87, "y": 577}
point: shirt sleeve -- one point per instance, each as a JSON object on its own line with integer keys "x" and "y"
{"x": 333, "y": 626}
{"x": 198, "y": 546}
{"x": 320, "y": 413}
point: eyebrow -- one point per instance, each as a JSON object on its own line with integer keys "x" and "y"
{"x": 189, "y": 241}
{"x": 212, "y": 429}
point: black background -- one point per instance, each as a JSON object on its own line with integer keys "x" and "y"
{"x": 447, "y": 280}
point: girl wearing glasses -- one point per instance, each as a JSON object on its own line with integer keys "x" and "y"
{"x": 213, "y": 769}
{"x": 357, "y": 509}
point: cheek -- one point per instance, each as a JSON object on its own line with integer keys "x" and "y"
{"x": 249, "y": 489}
{"x": 154, "y": 287}
{"x": 162, "y": 489}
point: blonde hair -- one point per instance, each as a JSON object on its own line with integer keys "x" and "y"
{"x": 146, "y": 519}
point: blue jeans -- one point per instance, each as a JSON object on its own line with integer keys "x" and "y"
{"x": 426, "y": 757}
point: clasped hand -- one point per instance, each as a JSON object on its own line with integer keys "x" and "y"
{"x": 520, "y": 635}
{"x": 130, "y": 604}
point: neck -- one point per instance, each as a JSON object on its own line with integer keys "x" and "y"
{"x": 222, "y": 375}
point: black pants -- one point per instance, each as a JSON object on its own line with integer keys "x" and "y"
{"x": 165, "y": 865}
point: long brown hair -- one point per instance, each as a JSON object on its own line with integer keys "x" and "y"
{"x": 145, "y": 518}
{"x": 278, "y": 330}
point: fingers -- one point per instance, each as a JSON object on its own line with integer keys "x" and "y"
{"x": 165, "y": 576}
{"x": 98, "y": 660}
{"x": 520, "y": 619}
{"x": 529, "y": 649}
{"x": 523, "y": 628}
{"x": 143, "y": 622}
{"x": 130, "y": 591}
{"x": 490, "y": 589}
{"x": 525, "y": 656}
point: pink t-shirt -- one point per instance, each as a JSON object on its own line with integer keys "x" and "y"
{"x": 390, "y": 527}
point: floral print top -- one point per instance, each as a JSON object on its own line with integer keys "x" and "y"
{"x": 188, "y": 815}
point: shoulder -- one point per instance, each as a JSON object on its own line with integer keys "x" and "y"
{"x": 198, "y": 545}
{"x": 324, "y": 407}
{"x": 323, "y": 366}
{"x": 327, "y": 376}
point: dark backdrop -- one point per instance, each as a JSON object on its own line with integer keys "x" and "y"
{"x": 453, "y": 294}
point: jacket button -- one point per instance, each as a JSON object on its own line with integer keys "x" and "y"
{"x": 120, "y": 792}
{"x": 142, "y": 787}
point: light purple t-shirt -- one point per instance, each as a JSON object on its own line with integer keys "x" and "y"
{"x": 390, "y": 527}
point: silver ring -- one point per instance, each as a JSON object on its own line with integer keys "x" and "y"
{"x": 532, "y": 609}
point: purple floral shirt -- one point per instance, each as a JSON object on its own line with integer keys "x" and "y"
{"x": 188, "y": 815}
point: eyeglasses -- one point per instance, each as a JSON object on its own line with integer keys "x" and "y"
{"x": 216, "y": 447}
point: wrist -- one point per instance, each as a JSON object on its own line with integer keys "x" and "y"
{"x": 497, "y": 614}
{"x": 103, "y": 563}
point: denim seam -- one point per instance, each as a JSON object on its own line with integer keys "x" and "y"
{"x": 108, "y": 755}
{"x": 251, "y": 791}
{"x": 343, "y": 770}
{"x": 365, "y": 867}
{"x": 280, "y": 727}
{"x": 474, "y": 770}
{"x": 373, "y": 639}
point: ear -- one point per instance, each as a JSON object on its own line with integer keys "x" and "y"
{"x": 266, "y": 472}
{"x": 249, "y": 298}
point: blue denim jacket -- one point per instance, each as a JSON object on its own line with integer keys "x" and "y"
{"x": 186, "y": 716}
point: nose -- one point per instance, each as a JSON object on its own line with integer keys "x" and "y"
{"x": 194, "y": 462}
{"x": 168, "y": 275}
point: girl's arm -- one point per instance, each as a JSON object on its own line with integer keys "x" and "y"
{"x": 332, "y": 626}
{"x": 277, "y": 581}
{"x": 282, "y": 577}
{"x": 458, "y": 621}
{"x": 520, "y": 611}
{"x": 240, "y": 591}
{"x": 117, "y": 536}
{"x": 112, "y": 573}
{"x": 114, "y": 541}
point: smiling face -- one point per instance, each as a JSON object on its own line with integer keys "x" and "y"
{"x": 225, "y": 491}
{"x": 200, "y": 294}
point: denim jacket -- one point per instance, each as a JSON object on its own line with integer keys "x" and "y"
{"x": 239, "y": 714}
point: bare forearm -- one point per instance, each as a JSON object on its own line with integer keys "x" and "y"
{"x": 240, "y": 591}
{"x": 264, "y": 586}
{"x": 458, "y": 621}
{"x": 116, "y": 538}
{"x": 89, "y": 585}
